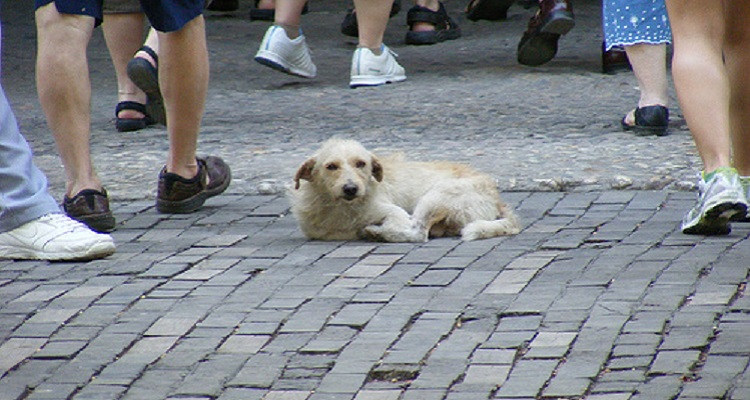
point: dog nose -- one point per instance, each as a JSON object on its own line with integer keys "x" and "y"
{"x": 350, "y": 190}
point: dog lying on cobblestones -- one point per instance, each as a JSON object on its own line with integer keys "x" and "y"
{"x": 344, "y": 192}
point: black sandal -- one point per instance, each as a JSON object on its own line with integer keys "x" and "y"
{"x": 491, "y": 10}
{"x": 146, "y": 77}
{"x": 445, "y": 27}
{"x": 649, "y": 120}
{"x": 131, "y": 124}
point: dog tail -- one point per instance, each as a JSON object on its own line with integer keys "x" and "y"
{"x": 483, "y": 229}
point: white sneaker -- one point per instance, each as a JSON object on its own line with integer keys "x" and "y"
{"x": 54, "y": 237}
{"x": 369, "y": 69}
{"x": 291, "y": 56}
{"x": 721, "y": 200}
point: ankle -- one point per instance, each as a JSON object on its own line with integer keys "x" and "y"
{"x": 375, "y": 50}
{"x": 292, "y": 31}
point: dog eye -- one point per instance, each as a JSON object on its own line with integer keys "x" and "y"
{"x": 332, "y": 167}
{"x": 361, "y": 164}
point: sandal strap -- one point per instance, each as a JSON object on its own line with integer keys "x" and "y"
{"x": 439, "y": 18}
{"x": 130, "y": 105}
{"x": 148, "y": 50}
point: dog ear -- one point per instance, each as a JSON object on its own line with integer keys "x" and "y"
{"x": 377, "y": 170}
{"x": 304, "y": 172}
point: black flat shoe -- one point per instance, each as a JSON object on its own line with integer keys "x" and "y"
{"x": 649, "y": 120}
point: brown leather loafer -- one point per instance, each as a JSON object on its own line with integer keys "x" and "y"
{"x": 90, "y": 207}
{"x": 177, "y": 195}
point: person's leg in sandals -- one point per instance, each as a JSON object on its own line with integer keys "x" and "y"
{"x": 123, "y": 33}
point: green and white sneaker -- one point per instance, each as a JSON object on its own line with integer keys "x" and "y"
{"x": 745, "y": 181}
{"x": 721, "y": 199}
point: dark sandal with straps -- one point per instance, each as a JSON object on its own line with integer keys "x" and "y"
{"x": 146, "y": 77}
{"x": 131, "y": 124}
{"x": 445, "y": 27}
{"x": 490, "y": 10}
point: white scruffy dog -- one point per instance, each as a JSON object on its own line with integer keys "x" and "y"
{"x": 344, "y": 192}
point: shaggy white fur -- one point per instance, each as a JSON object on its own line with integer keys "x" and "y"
{"x": 344, "y": 192}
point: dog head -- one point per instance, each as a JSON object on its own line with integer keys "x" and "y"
{"x": 342, "y": 168}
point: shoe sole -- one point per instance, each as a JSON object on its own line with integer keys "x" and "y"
{"x": 274, "y": 61}
{"x": 432, "y": 37}
{"x": 191, "y": 204}
{"x": 716, "y": 221}
{"x": 96, "y": 251}
{"x": 103, "y": 223}
{"x": 363, "y": 81}
{"x": 640, "y": 130}
{"x": 542, "y": 47}
{"x": 139, "y": 71}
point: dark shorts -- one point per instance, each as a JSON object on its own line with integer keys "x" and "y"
{"x": 164, "y": 15}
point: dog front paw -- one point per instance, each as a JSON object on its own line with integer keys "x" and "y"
{"x": 381, "y": 233}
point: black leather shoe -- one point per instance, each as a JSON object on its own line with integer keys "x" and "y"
{"x": 649, "y": 120}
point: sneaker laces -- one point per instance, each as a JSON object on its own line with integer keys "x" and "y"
{"x": 63, "y": 221}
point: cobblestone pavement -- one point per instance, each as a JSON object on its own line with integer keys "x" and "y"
{"x": 599, "y": 297}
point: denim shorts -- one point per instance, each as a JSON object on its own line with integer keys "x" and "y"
{"x": 164, "y": 15}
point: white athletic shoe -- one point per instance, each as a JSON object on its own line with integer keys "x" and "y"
{"x": 291, "y": 56}
{"x": 369, "y": 69}
{"x": 54, "y": 237}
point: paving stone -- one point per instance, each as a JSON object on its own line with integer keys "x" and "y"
{"x": 674, "y": 362}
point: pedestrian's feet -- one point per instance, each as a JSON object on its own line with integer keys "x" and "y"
{"x": 648, "y": 120}
{"x": 721, "y": 200}
{"x": 178, "y": 195}
{"x": 54, "y": 237}
{"x": 291, "y": 56}
{"x": 491, "y": 10}
{"x": 539, "y": 43}
{"x": 429, "y": 27}
{"x": 370, "y": 69}
{"x": 349, "y": 25}
{"x": 90, "y": 207}
{"x": 143, "y": 70}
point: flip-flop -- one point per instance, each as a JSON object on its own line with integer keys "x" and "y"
{"x": 491, "y": 10}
